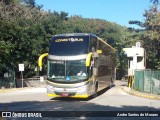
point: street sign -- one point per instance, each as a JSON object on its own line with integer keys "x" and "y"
{"x": 21, "y": 67}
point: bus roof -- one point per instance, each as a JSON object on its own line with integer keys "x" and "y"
{"x": 76, "y": 34}
{"x": 84, "y": 34}
{"x": 106, "y": 44}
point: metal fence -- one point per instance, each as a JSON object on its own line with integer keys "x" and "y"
{"x": 147, "y": 81}
{"x": 8, "y": 80}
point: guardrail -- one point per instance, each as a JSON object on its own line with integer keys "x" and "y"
{"x": 35, "y": 81}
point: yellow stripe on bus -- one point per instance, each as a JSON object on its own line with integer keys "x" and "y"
{"x": 88, "y": 59}
{"x": 41, "y": 58}
{"x": 75, "y": 96}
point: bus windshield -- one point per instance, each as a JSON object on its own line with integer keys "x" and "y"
{"x": 67, "y": 71}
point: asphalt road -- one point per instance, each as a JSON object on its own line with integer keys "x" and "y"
{"x": 113, "y": 99}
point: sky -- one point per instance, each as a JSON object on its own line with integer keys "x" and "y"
{"x": 117, "y": 11}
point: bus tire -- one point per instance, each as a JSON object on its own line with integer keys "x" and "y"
{"x": 111, "y": 83}
{"x": 95, "y": 90}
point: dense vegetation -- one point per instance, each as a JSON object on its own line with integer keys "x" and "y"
{"x": 149, "y": 35}
{"x": 26, "y": 30}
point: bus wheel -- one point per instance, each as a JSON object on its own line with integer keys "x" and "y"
{"x": 95, "y": 90}
{"x": 111, "y": 83}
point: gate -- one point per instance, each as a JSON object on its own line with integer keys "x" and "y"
{"x": 8, "y": 79}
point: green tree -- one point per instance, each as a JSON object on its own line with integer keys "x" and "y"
{"x": 25, "y": 33}
{"x": 154, "y": 1}
{"x": 30, "y": 3}
{"x": 26, "y": 30}
{"x": 150, "y": 36}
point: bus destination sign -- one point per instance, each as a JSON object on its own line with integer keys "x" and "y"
{"x": 69, "y": 40}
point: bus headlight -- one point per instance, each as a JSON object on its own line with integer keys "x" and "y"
{"x": 82, "y": 90}
{"x": 50, "y": 89}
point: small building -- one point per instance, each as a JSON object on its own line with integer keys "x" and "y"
{"x": 136, "y": 60}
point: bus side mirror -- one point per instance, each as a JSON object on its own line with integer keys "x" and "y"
{"x": 99, "y": 51}
{"x": 95, "y": 71}
{"x": 96, "y": 54}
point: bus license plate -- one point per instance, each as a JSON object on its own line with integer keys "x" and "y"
{"x": 64, "y": 94}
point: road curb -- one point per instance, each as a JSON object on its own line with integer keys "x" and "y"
{"x": 13, "y": 89}
{"x": 140, "y": 94}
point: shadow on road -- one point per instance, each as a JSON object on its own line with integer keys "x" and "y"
{"x": 82, "y": 110}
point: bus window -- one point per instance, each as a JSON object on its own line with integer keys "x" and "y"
{"x": 76, "y": 69}
{"x": 93, "y": 44}
{"x": 56, "y": 69}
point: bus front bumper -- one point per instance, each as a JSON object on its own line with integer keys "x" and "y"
{"x": 75, "y": 96}
{"x": 79, "y": 92}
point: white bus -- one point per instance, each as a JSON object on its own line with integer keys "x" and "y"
{"x": 79, "y": 65}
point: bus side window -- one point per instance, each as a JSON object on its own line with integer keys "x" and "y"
{"x": 93, "y": 44}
